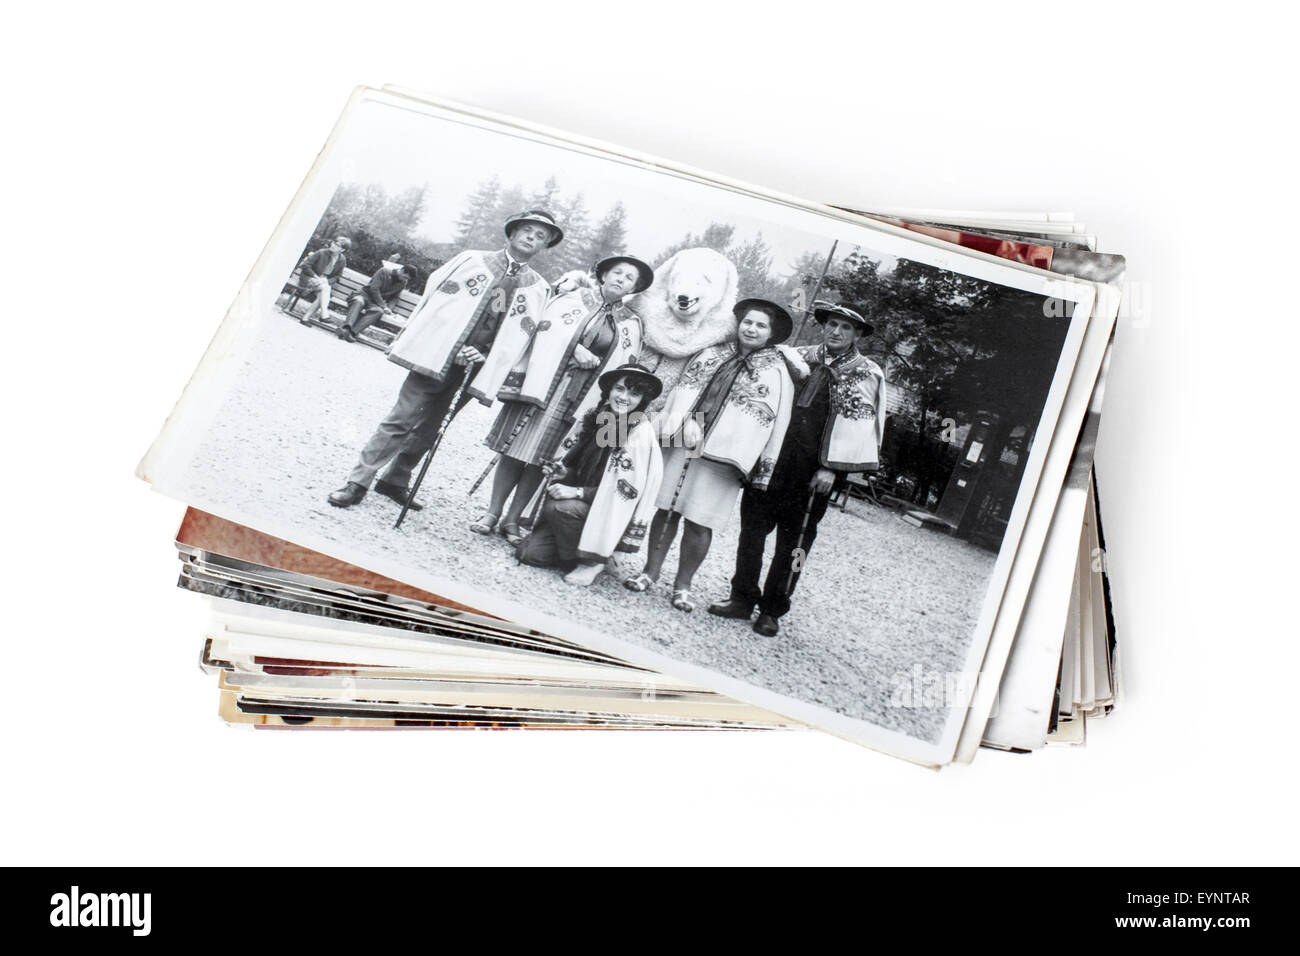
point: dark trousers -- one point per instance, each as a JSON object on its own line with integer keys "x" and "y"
{"x": 407, "y": 433}
{"x": 554, "y": 542}
{"x": 760, "y": 513}
{"x": 362, "y": 314}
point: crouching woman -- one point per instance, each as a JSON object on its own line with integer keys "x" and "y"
{"x": 600, "y": 496}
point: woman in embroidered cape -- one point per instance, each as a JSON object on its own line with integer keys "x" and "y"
{"x": 600, "y": 497}
{"x": 723, "y": 425}
{"x": 585, "y": 329}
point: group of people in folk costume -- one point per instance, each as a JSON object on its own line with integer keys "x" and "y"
{"x": 780, "y": 428}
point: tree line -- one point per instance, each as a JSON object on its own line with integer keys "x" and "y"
{"x": 382, "y": 226}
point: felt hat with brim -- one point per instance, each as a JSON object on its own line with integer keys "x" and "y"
{"x": 782, "y": 324}
{"x": 647, "y": 275}
{"x": 828, "y": 310}
{"x": 637, "y": 373}
{"x": 542, "y": 218}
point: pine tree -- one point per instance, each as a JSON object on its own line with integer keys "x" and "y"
{"x": 575, "y": 251}
{"x": 610, "y": 235}
{"x": 545, "y": 197}
{"x": 717, "y": 237}
{"x": 397, "y": 218}
{"x": 753, "y": 261}
{"x": 510, "y": 203}
{"x": 478, "y": 224}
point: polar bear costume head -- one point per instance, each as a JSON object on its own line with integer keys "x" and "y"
{"x": 688, "y": 308}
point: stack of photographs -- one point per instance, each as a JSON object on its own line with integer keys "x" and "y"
{"x": 510, "y": 428}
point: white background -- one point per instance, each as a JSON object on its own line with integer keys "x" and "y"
{"x": 150, "y": 150}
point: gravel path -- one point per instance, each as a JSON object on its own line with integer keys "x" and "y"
{"x": 878, "y": 598}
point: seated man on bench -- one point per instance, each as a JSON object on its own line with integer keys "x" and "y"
{"x": 374, "y": 300}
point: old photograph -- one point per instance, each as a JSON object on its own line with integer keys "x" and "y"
{"x": 686, "y": 424}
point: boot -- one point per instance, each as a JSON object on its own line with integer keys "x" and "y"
{"x": 348, "y": 495}
{"x": 735, "y": 608}
{"x": 767, "y": 625}
{"x": 396, "y": 493}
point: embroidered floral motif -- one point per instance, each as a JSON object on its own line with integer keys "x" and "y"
{"x": 449, "y": 287}
{"x": 764, "y": 358}
{"x": 853, "y": 390}
{"x": 849, "y": 397}
{"x": 619, "y": 461}
{"x": 763, "y": 470}
{"x": 750, "y": 396}
{"x": 626, "y": 490}
{"x": 698, "y": 373}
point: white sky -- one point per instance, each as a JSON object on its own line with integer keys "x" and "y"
{"x": 400, "y": 149}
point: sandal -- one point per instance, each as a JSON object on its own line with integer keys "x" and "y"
{"x": 485, "y": 525}
{"x": 682, "y": 600}
{"x": 639, "y": 582}
{"x": 512, "y": 533}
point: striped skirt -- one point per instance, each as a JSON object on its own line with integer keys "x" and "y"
{"x": 540, "y": 432}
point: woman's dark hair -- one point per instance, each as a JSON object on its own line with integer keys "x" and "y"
{"x": 589, "y": 420}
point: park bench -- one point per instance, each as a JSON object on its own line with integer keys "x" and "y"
{"x": 378, "y": 336}
{"x": 857, "y": 485}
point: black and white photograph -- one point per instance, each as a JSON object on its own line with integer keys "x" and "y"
{"x": 701, "y": 428}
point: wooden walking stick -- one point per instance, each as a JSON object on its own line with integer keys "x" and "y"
{"x": 796, "y": 563}
{"x": 812, "y": 302}
{"x": 533, "y": 514}
{"x": 519, "y": 426}
{"x": 658, "y": 543}
{"x": 539, "y": 501}
{"x": 437, "y": 440}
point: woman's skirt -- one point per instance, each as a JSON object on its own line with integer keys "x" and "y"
{"x": 705, "y": 495}
{"x": 540, "y": 432}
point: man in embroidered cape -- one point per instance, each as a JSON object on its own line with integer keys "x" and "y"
{"x": 836, "y": 428}
{"x": 475, "y": 319}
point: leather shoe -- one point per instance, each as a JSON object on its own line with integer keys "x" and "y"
{"x": 740, "y": 610}
{"x": 348, "y": 495}
{"x": 396, "y": 493}
{"x": 766, "y": 625}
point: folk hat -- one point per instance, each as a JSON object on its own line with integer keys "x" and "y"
{"x": 639, "y": 373}
{"x": 824, "y": 310}
{"x": 539, "y": 216}
{"x": 782, "y": 324}
{"x": 647, "y": 274}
